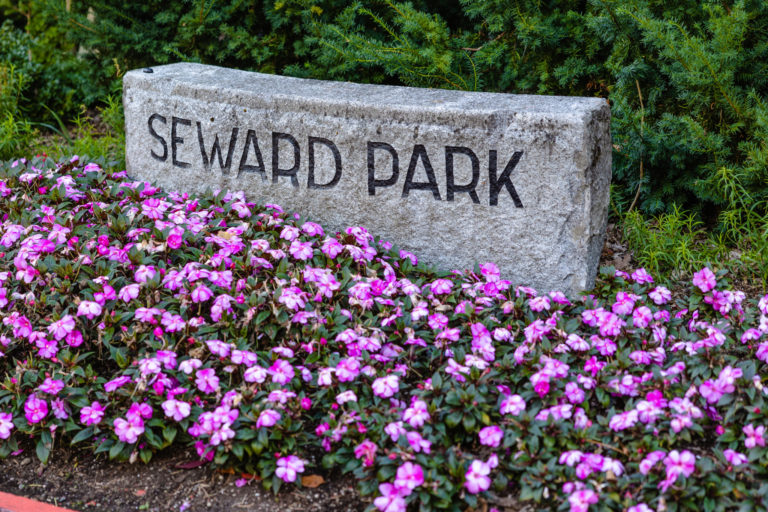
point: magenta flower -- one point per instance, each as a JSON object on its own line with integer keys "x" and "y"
{"x": 476, "y": 478}
{"x": 582, "y": 499}
{"x": 206, "y": 380}
{"x": 408, "y": 477}
{"x": 116, "y": 383}
{"x": 288, "y": 468}
{"x": 128, "y": 431}
{"x": 282, "y": 372}
{"x": 386, "y": 387}
{"x": 92, "y": 414}
{"x": 367, "y": 451}
{"x": 6, "y": 425}
{"x": 61, "y": 328}
{"x": 441, "y": 286}
{"x": 734, "y": 458}
{"x": 176, "y": 409}
{"x": 513, "y": 404}
{"x": 705, "y": 280}
{"x": 89, "y": 309}
{"x": 491, "y": 436}
{"x": 754, "y": 436}
{"x": 391, "y": 499}
{"x": 51, "y": 386}
{"x": 35, "y": 409}
{"x": 128, "y": 293}
{"x": 268, "y": 418}
{"x": 301, "y": 250}
{"x": 417, "y": 414}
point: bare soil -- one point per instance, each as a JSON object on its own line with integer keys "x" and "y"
{"x": 85, "y": 482}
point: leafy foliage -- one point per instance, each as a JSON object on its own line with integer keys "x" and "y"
{"x": 136, "y": 319}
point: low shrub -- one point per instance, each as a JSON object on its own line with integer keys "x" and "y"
{"x": 135, "y": 319}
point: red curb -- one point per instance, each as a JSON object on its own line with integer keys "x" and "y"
{"x": 13, "y": 503}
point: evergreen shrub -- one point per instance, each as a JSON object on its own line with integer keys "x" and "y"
{"x": 686, "y": 80}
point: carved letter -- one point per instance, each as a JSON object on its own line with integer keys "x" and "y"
{"x": 372, "y": 181}
{"x": 504, "y": 179}
{"x": 153, "y": 133}
{"x": 276, "y": 171}
{"x": 250, "y": 138}
{"x": 175, "y": 139}
{"x": 449, "y": 179}
{"x": 419, "y": 152}
{"x": 336, "y": 159}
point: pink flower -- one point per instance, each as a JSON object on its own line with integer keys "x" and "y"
{"x": 268, "y": 418}
{"x": 705, "y": 280}
{"x": 201, "y": 293}
{"x": 513, "y": 404}
{"x": 301, "y": 250}
{"x": 288, "y": 468}
{"x": 660, "y": 295}
{"x": 128, "y": 293}
{"x": 754, "y": 436}
{"x": 51, "y": 386}
{"x": 417, "y": 414}
{"x": 128, "y": 431}
{"x": 408, "y": 477}
{"x": 581, "y": 500}
{"x": 386, "y": 387}
{"x": 641, "y": 276}
{"x": 476, "y": 477}
{"x": 367, "y": 451}
{"x": 207, "y": 381}
{"x": 176, "y": 409}
{"x": 6, "y": 425}
{"x": 89, "y": 309}
{"x": 491, "y": 436}
{"x": 35, "y": 409}
{"x": 116, "y": 383}
{"x": 61, "y": 328}
{"x": 734, "y": 458}
{"x": 282, "y": 372}
{"x": 391, "y": 499}
{"x": 441, "y": 286}
{"x": 679, "y": 463}
{"x": 92, "y": 414}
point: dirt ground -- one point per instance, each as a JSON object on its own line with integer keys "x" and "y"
{"x": 84, "y": 482}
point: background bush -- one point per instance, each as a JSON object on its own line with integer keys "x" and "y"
{"x": 686, "y": 80}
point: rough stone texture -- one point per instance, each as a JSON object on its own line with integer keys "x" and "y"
{"x": 562, "y": 178}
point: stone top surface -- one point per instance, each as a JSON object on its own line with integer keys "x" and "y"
{"x": 206, "y": 82}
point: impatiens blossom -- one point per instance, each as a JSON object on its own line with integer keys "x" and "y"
{"x": 35, "y": 409}
{"x": 408, "y": 477}
{"x": 391, "y": 499}
{"x": 6, "y": 425}
{"x": 176, "y": 409}
{"x": 206, "y": 380}
{"x": 89, "y": 309}
{"x": 289, "y": 467}
{"x": 476, "y": 478}
{"x": 92, "y": 414}
{"x": 491, "y": 436}
{"x": 128, "y": 430}
{"x": 385, "y": 387}
{"x": 267, "y": 418}
{"x": 704, "y": 279}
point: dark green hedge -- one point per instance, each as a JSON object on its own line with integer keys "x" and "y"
{"x": 687, "y": 79}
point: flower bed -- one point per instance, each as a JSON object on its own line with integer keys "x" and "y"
{"x": 134, "y": 319}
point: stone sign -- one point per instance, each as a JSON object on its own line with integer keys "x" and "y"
{"x": 458, "y": 178}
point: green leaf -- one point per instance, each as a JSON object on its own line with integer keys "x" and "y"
{"x": 43, "y": 451}
{"x": 84, "y": 434}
